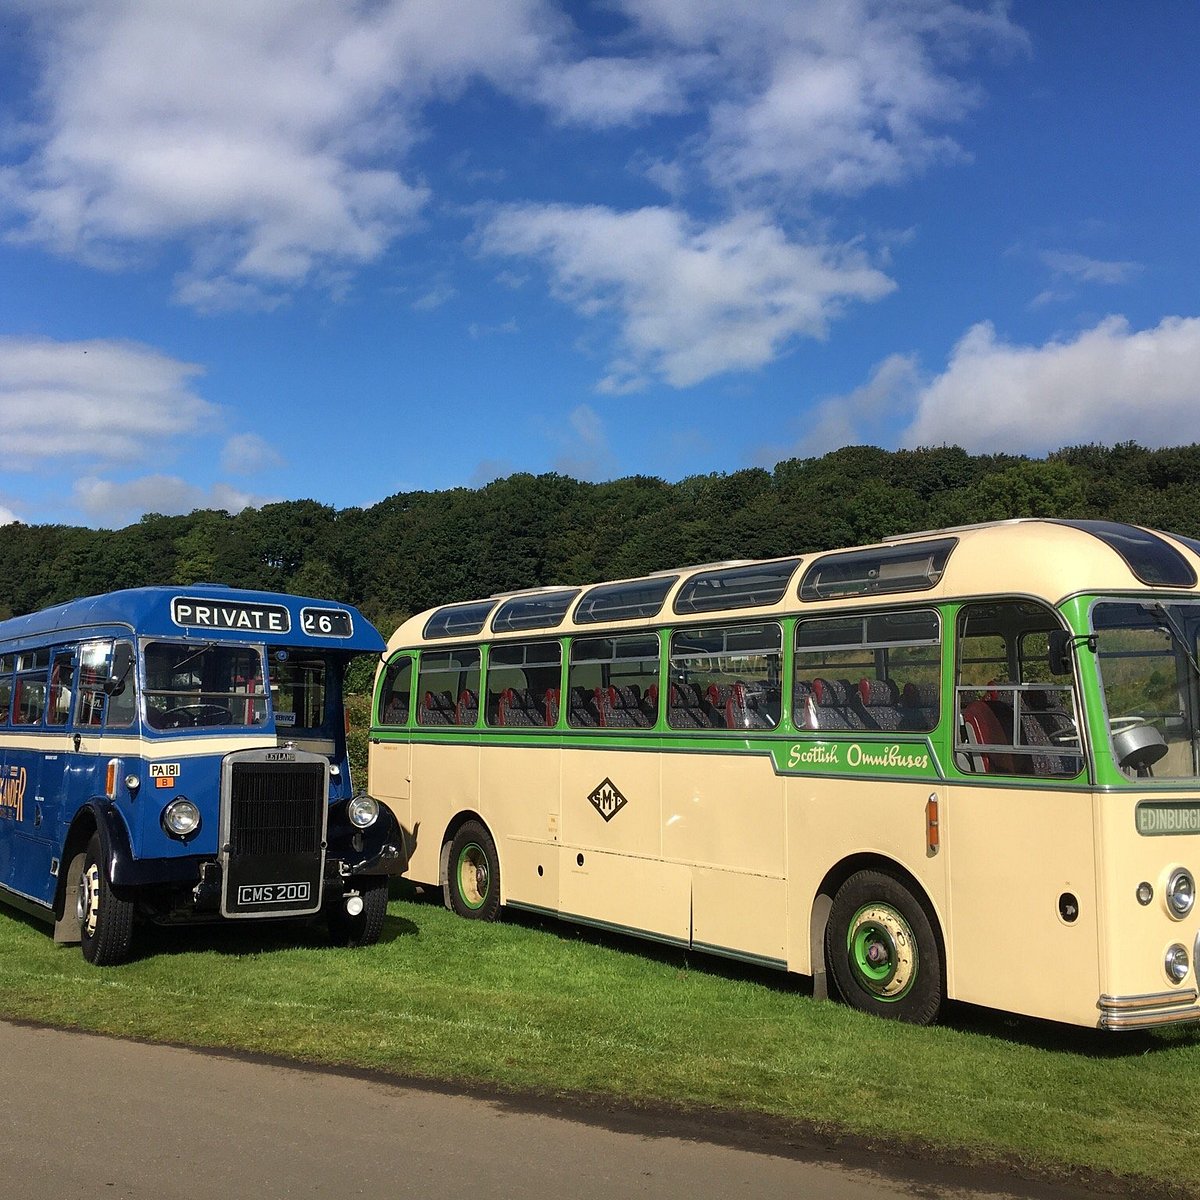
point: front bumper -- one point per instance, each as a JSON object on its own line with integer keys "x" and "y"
{"x": 1150, "y": 1010}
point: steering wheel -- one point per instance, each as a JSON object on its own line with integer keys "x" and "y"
{"x": 197, "y": 714}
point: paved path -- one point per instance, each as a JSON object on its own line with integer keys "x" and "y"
{"x": 100, "y": 1118}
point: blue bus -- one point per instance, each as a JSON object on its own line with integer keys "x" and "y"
{"x": 179, "y": 754}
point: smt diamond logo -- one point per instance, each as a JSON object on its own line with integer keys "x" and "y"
{"x": 606, "y": 800}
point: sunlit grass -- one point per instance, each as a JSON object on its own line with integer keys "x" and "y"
{"x": 548, "y": 1008}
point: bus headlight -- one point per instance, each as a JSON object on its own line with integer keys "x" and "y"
{"x": 1180, "y": 893}
{"x": 363, "y": 811}
{"x": 181, "y": 818}
{"x": 1176, "y": 963}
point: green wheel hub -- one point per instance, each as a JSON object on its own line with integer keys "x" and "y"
{"x": 883, "y": 951}
{"x": 474, "y": 875}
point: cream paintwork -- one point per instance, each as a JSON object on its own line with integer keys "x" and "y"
{"x": 1012, "y": 852}
{"x": 1137, "y": 936}
{"x": 717, "y": 848}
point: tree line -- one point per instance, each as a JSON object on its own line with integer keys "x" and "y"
{"x": 417, "y": 549}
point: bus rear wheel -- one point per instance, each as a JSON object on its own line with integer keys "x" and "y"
{"x": 881, "y": 950}
{"x": 105, "y": 920}
{"x": 473, "y": 874}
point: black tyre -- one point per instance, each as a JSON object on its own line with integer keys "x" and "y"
{"x": 881, "y": 950}
{"x": 473, "y": 874}
{"x": 365, "y": 928}
{"x": 105, "y": 919}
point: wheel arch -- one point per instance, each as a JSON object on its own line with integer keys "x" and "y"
{"x": 96, "y": 816}
{"x": 823, "y": 902}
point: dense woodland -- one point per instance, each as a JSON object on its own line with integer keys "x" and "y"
{"x": 416, "y": 549}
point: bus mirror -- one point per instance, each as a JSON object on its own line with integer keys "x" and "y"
{"x": 1060, "y": 652}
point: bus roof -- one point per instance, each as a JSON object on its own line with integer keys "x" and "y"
{"x": 1044, "y": 558}
{"x": 208, "y": 611}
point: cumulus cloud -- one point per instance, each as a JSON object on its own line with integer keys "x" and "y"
{"x": 584, "y": 452}
{"x": 690, "y": 301}
{"x": 113, "y": 504}
{"x": 829, "y": 95}
{"x": 100, "y": 400}
{"x": 7, "y": 516}
{"x": 266, "y": 134}
{"x": 1107, "y": 384}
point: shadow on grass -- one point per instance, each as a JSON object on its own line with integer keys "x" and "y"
{"x": 246, "y": 939}
{"x": 1032, "y": 1032}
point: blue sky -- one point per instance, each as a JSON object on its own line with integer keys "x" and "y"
{"x": 254, "y": 250}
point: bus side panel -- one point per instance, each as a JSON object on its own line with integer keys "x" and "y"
{"x": 622, "y": 892}
{"x": 829, "y": 820}
{"x": 1014, "y": 853}
{"x": 445, "y": 782}
{"x": 41, "y": 772}
{"x": 389, "y": 778}
{"x": 744, "y": 915}
{"x": 724, "y": 812}
{"x": 611, "y": 865}
{"x": 519, "y": 799}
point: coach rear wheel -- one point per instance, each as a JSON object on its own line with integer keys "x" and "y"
{"x": 881, "y": 950}
{"x": 105, "y": 920}
{"x": 473, "y": 878}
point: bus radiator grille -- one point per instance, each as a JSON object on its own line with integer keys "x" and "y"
{"x": 276, "y": 808}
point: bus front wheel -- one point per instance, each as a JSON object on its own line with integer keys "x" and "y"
{"x": 364, "y": 928}
{"x": 105, "y": 919}
{"x": 881, "y": 949}
{"x": 473, "y": 874}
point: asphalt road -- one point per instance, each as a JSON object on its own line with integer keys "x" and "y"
{"x": 95, "y": 1117}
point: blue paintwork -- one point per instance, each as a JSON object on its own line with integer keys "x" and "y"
{"x": 59, "y": 783}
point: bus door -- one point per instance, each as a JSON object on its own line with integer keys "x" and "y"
{"x": 1018, "y": 829}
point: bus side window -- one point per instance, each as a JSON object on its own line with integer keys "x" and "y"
{"x": 29, "y": 689}
{"x": 62, "y": 681}
{"x": 6, "y": 687}
{"x": 393, "y": 696}
{"x": 1012, "y": 718}
{"x": 122, "y": 701}
{"x": 93, "y": 671}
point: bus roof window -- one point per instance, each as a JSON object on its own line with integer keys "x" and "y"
{"x": 544, "y": 610}
{"x": 736, "y": 587}
{"x": 912, "y": 568}
{"x": 459, "y": 620}
{"x": 1154, "y": 561}
{"x": 624, "y": 601}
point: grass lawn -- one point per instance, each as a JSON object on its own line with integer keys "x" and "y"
{"x": 549, "y": 1008}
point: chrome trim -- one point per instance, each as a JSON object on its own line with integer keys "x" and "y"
{"x": 1150, "y": 999}
{"x": 1150, "y": 1010}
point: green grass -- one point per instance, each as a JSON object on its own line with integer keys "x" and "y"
{"x": 556, "y": 1010}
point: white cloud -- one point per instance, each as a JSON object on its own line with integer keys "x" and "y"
{"x": 7, "y": 516}
{"x": 102, "y": 401}
{"x": 605, "y": 92}
{"x": 829, "y": 95}
{"x": 114, "y": 504}
{"x": 691, "y": 302}
{"x": 1088, "y": 270}
{"x": 249, "y": 454}
{"x": 264, "y": 133}
{"x": 1107, "y": 384}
